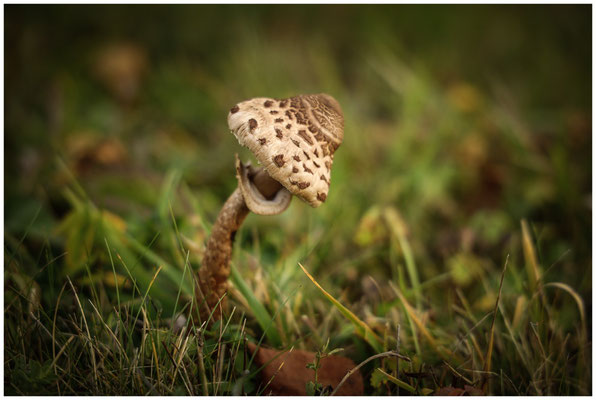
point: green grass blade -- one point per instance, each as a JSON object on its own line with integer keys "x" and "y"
{"x": 398, "y": 382}
{"x": 411, "y": 313}
{"x": 532, "y": 267}
{"x": 173, "y": 273}
{"x": 578, "y": 301}
{"x": 361, "y": 327}
{"x": 115, "y": 275}
{"x": 397, "y": 228}
{"x": 171, "y": 181}
{"x": 489, "y": 351}
{"x": 263, "y": 318}
{"x": 147, "y": 293}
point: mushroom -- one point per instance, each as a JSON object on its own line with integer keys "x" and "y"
{"x": 294, "y": 139}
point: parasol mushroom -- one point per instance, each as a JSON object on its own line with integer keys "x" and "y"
{"x": 294, "y": 139}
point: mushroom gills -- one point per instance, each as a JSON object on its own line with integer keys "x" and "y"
{"x": 254, "y": 199}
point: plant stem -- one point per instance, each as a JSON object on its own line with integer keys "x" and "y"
{"x": 215, "y": 268}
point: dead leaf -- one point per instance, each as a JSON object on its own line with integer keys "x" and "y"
{"x": 472, "y": 391}
{"x": 290, "y": 374}
{"x": 466, "y": 391}
{"x": 450, "y": 391}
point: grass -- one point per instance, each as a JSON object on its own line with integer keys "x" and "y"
{"x": 464, "y": 152}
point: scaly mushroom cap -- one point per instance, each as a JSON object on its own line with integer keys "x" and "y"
{"x": 293, "y": 138}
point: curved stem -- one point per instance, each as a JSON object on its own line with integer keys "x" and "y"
{"x": 215, "y": 268}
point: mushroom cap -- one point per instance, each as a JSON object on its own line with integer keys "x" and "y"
{"x": 294, "y": 139}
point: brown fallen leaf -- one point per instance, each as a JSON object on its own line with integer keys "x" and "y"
{"x": 472, "y": 391}
{"x": 450, "y": 391}
{"x": 290, "y": 379}
{"x": 466, "y": 391}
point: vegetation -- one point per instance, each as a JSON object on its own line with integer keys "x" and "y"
{"x": 457, "y": 230}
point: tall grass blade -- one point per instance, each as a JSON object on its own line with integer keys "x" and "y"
{"x": 186, "y": 264}
{"x": 91, "y": 350}
{"x": 114, "y": 271}
{"x": 174, "y": 274}
{"x": 397, "y": 228}
{"x": 578, "y": 301}
{"x": 54, "y": 324}
{"x": 411, "y": 312}
{"x": 489, "y": 351}
{"x": 532, "y": 266}
{"x": 202, "y": 374}
{"x": 263, "y": 318}
{"x": 142, "y": 305}
{"x": 361, "y": 327}
{"x": 398, "y": 382}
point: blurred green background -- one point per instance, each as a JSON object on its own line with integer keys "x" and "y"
{"x": 460, "y": 121}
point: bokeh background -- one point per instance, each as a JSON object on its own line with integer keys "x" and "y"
{"x": 460, "y": 122}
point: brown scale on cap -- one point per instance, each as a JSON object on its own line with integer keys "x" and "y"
{"x": 252, "y": 124}
{"x": 279, "y": 160}
{"x": 316, "y": 128}
{"x": 300, "y": 119}
{"x": 333, "y": 146}
{"x": 306, "y": 169}
{"x": 302, "y": 133}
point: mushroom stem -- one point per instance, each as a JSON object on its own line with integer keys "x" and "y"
{"x": 215, "y": 267}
